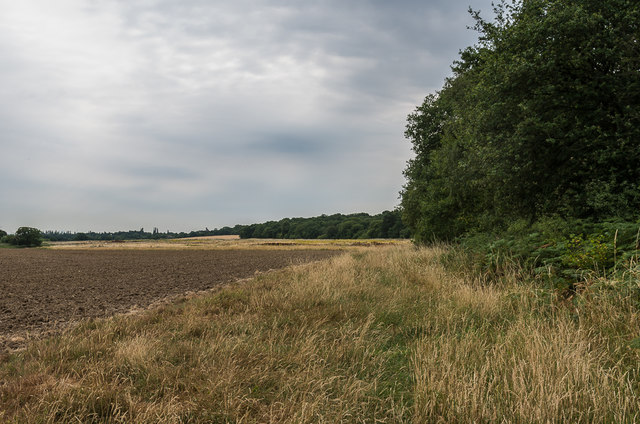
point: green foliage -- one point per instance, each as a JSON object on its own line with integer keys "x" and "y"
{"x": 635, "y": 343}
{"x": 81, "y": 237}
{"x": 26, "y": 236}
{"x": 388, "y": 224}
{"x": 540, "y": 118}
{"x": 559, "y": 252}
{"x": 8, "y": 239}
{"x": 136, "y": 234}
{"x": 2, "y": 234}
{"x": 591, "y": 253}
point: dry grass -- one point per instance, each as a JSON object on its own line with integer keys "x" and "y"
{"x": 377, "y": 335}
{"x": 225, "y": 243}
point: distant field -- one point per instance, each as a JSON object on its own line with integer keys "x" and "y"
{"x": 225, "y": 242}
{"x": 227, "y": 237}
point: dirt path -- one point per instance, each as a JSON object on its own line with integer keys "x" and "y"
{"x": 44, "y": 290}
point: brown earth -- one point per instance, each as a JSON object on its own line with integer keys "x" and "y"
{"x": 42, "y": 291}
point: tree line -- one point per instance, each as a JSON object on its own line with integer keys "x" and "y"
{"x": 131, "y": 235}
{"x": 387, "y": 224}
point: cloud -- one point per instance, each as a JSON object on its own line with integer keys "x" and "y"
{"x": 197, "y": 113}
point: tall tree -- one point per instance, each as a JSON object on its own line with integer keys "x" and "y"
{"x": 540, "y": 117}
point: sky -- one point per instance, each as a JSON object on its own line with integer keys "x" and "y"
{"x": 193, "y": 114}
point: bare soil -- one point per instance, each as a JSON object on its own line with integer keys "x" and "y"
{"x": 42, "y": 291}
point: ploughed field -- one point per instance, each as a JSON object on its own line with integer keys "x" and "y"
{"x": 44, "y": 290}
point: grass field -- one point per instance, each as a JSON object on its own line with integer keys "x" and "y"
{"x": 373, "y": 335}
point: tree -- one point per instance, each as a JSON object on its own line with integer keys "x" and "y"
{"x": 2, "y": 233}
{"x": 28, "y": 236}
{"x": 358, "y": 225}
{"x": 541, "y": 117}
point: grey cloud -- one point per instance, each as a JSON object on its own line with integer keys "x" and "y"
{"x": 157, "y": 172}
{"x": 185, "y": 114}
{"x": 290, "y": 144}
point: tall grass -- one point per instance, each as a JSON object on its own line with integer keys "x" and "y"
{"x": 377, "y": 335}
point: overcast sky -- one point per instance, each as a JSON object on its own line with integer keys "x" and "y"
{"x": 181, "y": 115}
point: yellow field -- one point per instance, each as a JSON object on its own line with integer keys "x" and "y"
{"x": 223, "y": 243}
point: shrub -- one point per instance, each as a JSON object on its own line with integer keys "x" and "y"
{"x": 27, "y": 236}
{"x": 560, "y": 252}
{"x": 590, "y": 253}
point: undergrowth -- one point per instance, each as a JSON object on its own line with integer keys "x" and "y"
{"x": 558, "y": 253}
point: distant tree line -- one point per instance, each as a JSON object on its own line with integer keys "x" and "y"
{"x": 134, "y": 234}
{"x": 387, "y": 224}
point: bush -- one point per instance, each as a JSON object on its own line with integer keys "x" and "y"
{"x": 27, "y": 236}
{"x": 560, "y": 252}
{"x": 588, "y": 253}
{"x": 2, "y": 234}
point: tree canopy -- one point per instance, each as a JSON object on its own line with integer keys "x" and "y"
{"x": 24, "y": 236}
{"x": 541, "y": 117}
{"x": 388, "y": 224}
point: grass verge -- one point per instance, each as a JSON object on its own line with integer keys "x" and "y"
{"x": 376, "y": 335}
